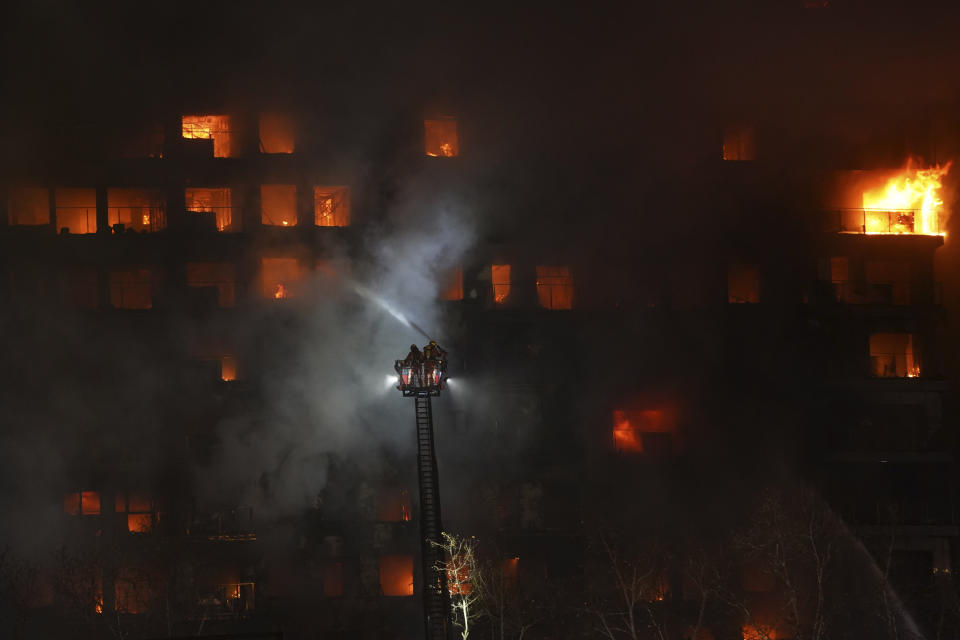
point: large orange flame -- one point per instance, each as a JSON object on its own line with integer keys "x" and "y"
{"x": 909, "y": 203}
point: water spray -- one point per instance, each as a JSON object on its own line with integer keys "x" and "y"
{"x": 369, "y": 295}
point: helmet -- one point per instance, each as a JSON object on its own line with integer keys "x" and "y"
{"x": 413, "y": 347}
{"x": 433, "y": 343}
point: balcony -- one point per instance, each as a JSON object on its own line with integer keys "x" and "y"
{"x": 910, "y": 222}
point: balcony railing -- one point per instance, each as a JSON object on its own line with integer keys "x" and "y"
{"x": 893, "y": 365}
{"x": 137, "y": 218}
{"x": 226, "y": 219}
{"x": 884, "y": 222}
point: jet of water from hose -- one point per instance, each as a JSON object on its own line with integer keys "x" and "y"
{"x": 367, "y": 294}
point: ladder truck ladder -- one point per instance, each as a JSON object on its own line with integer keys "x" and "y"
{"x": 435, "y": 592}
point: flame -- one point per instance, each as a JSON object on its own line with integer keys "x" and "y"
{"x": 280, "y": 293}
{"x": 910, "y": 203}
{"x": 405, "y": 505}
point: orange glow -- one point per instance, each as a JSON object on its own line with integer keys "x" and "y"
{"x": 743, "y": 284}
{"x": 85, "y": 503}
{"x": 739, "y": 143}
{"x": 228, "y": 368}
{"x": 137, "y": 209}
{"x": 909, "y": 203}
{"x": 217, "y": 201}
{"x": 758, "y": 632}
{"x": 28, "y": 206}
{"x": 458, "y": 577}
{"x": 394, "y": 505}
{"x": 131, "y": 288}
{"x": 278, "y": 205}
{"x": 500, "y": 277}
{"x": 333, "y": 580}
{"x": 139, "y": 522}
{"x": 331, "y": 206}
{"x": 76, "y": 210}
{"x": 278, "y": 276}
{"x": 277, "y": 134}
{"x": 892, "y": 356}
{"x": 629, "y": 426}
{"x": 216, "y": 128}
{"x": 214, "y": 274}
{"x": 555, "y": 287}
{"x": 440, "y": 137}
{"x": 396, "y": 575}
{"x": 510, "y": 569}
{"x": 452, "y": 289}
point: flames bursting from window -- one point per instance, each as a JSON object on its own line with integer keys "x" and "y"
{"x": 396, "y": 575}
{"x": 891, "y": 356}
{"x": 440, "y": 137}
{"x": 216, "y": 201}
{"x": 555, "y": 287}
{"x": 909, "y": 203}
{"x": 278, "y": 205}
{"x": 500, "y": 279}
{"x": 331, "y": 206}
{"x": 28, "y": 206}
{"x": 207, "y": 127}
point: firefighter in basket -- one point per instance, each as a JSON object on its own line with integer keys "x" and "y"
{"x": 436, "y": 363}
{"x": 412, "y": 368}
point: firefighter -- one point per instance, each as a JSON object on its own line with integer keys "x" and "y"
{"x": 435, "y": 362}
{"x": 414, "y": 364}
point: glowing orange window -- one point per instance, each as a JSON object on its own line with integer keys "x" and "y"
{"x": 333, "y": 579}
{"x": 228, "y": 368}
{"x": 207, "y": 127}
{"x": 743, "y": 284}
{"x": 86, "y": 503}
{"x": 555, "y": 287}
{"x": 131, "y": 288}
{"x": 218, "y": 275}
{"x": 892, "y": 356}
{"x": 279, "y": 277}
{"x": 640, "y": 431}
{"x": 396, "y": 575}
{"x": 79, "y": 287}
{"x": 76, "y": 210}
{"x": 277, "y": 133}
{"x": 500, "y": 277}
{"x": 137, "y": 209}
{"x": 739, "y": 143}
{"x": 394, "y": 505}
{"x": 452, "y": 288}
{"x": 331, "y": 206}
{"x": 28, "y": 206}
{"x": 214, "y": 200}
{"x": 139, "y": 510}
{"x": 440, "y": 137}
{"x": 278, "y": 205}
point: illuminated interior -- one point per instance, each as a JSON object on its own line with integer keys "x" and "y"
{"x": 394, "y": 505}
{"x": 278, "y": 205}
{"x": 554, "y": 287}
{"x": 452, "y": 287}
{"x": 76, "y": 210}
{"x": 643, "y": 430}
{"x": 500, "y": 278}
{"x": 219, "y": 275}
{"x": 206, "y": 127}
{"x": 277, "y": 133}
{"x": 279, "y": 277}
{"x": 137, "y": 209}
{"x": 739, "y": 143}
{"x": 891, "y": 356}
{"x": 139, "y": 510}
{"x": 440, "y": 137}
{"x": 131, "y": 288}
{"x": 228, "y": 368}
{"x": 396, "y": 575}
{"x": 333, "y": 579}
{"x": 28, "y": 206}
{"x": 908, "y": 203}
{"x": 743, "y": 284}
{"x": 331, "y": 206}
{"x": 86, "y": 503}
{"x": 758, "y": 632}
{"x": 216, "y": 201}
{"x": 79, "y": 287}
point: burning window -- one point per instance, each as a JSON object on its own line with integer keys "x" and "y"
{"x": 28, "y": 206}
{"x": 758, "y": 632}
{"x": 238, "y": 597}
{"x": 216, "y": 201}
{"x": 739, "y": 143}
{"x": 219, "y": 275}
{"x": 643, "y": 431}
{"x": 331, "y": 206}
{"x": 216, "y": 128}
{"x": 743, "y": 284}
{"x": 86, "y": 503}
{"x": 132, "y": 590}
{"x": 440, "y": 137}
{"x": 228, "y": 368}
{"x": 891, "y": 356}
{"x": 333, "y": 579}
{"x": 76, "y": 210}
{"x": 396, "y": 575}
{"x": 908, "y": 203}
{"x": 394, "y": 505}
{"x": 277, "y": 133}
{"x": 79, "y": 287}
{"x": 452, "y": 287}
{"x": 278, "y": 204}
{"x": 279, "y": 276}
{"x": 500, "y": 278}
{"x": 139, "y": 511}
{"x": 888, "y": 282}
{"x": 555, "y": 287}
{"x": 137, "y": 209}
{"x": 131, "y": 288}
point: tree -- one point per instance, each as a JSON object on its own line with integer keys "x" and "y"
{"x": 464, "y": 579}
